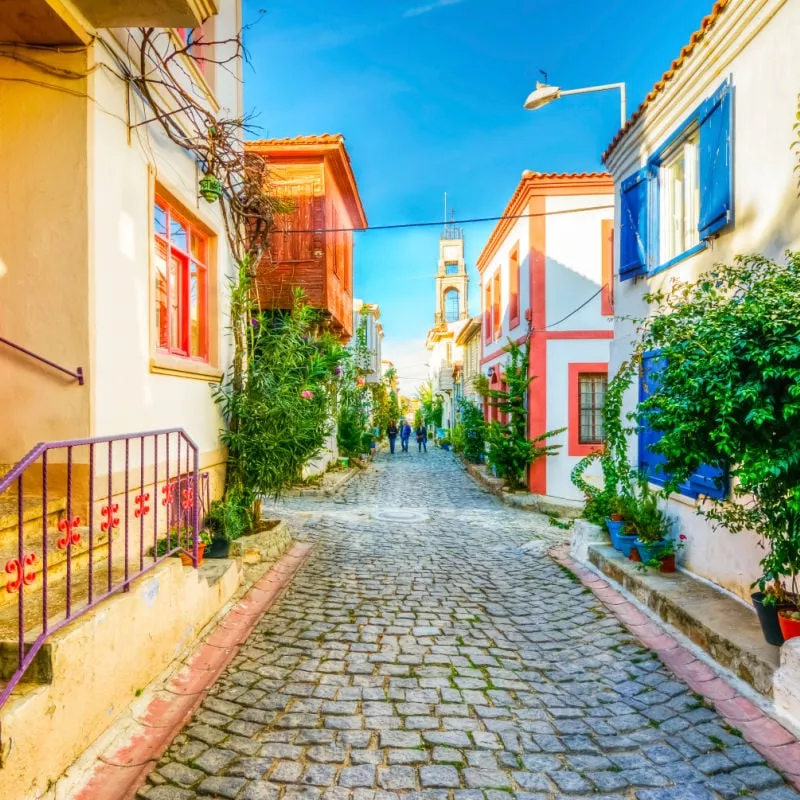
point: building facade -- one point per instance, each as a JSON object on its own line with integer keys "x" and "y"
{"x": 368, "y": 314}
{"x": 312, "y": 248}
{"x": 702, "y": 178}
{"x": 450, "y": 318}
{"x": 469, "y": 340}
{"x": 546, "y": 276}
{"x": 114, "y": 279}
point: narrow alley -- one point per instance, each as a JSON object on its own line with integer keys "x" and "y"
{"x": 423, "y": 651}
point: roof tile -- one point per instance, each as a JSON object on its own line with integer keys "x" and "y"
{"x": 686, "y": 51}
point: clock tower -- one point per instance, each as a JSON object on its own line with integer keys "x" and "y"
{"x": 452, "y": 282}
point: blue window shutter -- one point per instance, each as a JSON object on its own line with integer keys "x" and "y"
{"x": 633, "y": 225}
{"x": 709, "y": 481}
{"x": 716, "y": 163}
{"x": 650, "y": 462}
{"x": 706, "y": 480}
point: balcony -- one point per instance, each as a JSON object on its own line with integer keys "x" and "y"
{"x": 52, "y": 22}
{"x": 444, "y": 379}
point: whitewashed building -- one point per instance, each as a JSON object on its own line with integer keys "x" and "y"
{"x": 368, "y": 314}
{"x": 546, "y": 273}
{"x": 704, "y": 171}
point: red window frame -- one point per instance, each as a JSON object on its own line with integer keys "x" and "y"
{"x": 183, "y": 250}
{"x": 487, "y": 313}
{"x": 607, "y": 275}
{"x": 497, "y": 322}
{"x": 576, "y": 447}
{"x": 513, "y": 287}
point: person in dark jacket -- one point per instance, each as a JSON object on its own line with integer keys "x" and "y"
{"x": 391, "y": 432}
{"x": 405, "y": 435}
{"x": 422, "y": 438}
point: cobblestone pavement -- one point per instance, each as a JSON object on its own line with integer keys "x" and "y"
{"x": 440, "y": 659}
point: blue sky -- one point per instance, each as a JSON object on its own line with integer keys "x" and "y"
{"x": 429, "y": 93}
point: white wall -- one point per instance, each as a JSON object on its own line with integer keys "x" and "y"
{"x": 750, "y": 44}
{"x": 519, "y": 234}
{"x": 128, "y": 396}
{"x": 574, "y": 260}
{"x": 560, "y": 354}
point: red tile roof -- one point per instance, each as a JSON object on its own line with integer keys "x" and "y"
{"x": 696, "y": 38}
{"x": 555, "y": 176}
{"x": 323, "y": 138}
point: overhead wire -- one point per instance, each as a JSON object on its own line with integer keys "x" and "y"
{"x": 469, "y": 221}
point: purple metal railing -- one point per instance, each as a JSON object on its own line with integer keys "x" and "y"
{"x": 71, "y": 580}
{"x": 77, "y": 374}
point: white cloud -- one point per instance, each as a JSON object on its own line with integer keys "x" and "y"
{"x": 417, "y": 10}
{"x": 410, "y": 358}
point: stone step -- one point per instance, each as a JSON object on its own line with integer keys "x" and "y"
{"x": 724, "y": 627}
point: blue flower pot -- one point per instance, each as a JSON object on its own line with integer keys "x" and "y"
{"x": 625, "y": 544}
{"x": 648, "y": 552}
{"x": 614, "y": 530}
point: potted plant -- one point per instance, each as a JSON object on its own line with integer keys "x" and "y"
{"x": 182, "y": 536}
{"x": 625, "y": 538}
{"x": 770, "y": 599}
{"x": 615, "y": 521}
{"x": 664, "y": 559}
{"x": 789, "y": 620}
{"x": 651, "y": 523}
{"x": 445, "y": 443}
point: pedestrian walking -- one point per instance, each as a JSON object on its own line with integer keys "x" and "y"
{"x": 422, "y": 438}
{"x": 391, "y": 432}
{"x": 405, "y": 435}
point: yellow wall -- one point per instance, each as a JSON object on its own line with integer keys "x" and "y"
{"x": 164, "y": 612}
{"x": 44, "y": 281}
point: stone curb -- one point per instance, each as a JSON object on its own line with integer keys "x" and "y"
{"x": 778, "y": 745}
{"x": 525, "y": 501}
{"x": 121, "y": 772}
{"x": 330, "y": 491}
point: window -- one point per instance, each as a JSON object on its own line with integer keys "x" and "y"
{"x": 707, "y": 480}
{"x": 513, "y": 287}
{"x": 684, "y": 194}
{"x": 451, "y": 268}
{"x": 607, "y": 268}
{"x": 181, "y": 262}
{"x": 591, "y": 398}
{"x": 497, "y": 321}
{"x": 452, "y": 305}
{"x": 335, "y": 240}
{"x": 586, "y": 393}
{"x": 487, "y": 314}
{"x": 679, "y": 199}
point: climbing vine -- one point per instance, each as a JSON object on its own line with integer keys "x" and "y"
{"x": 511, "y": 451}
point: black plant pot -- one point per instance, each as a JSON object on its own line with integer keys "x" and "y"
{"x": 768, "y": 617}
{"x": 220, "y": 548}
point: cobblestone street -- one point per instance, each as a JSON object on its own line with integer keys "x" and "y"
{"x": 438, "y": 658}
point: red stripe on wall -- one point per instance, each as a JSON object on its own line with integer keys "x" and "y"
{"x": 537, "y": 393}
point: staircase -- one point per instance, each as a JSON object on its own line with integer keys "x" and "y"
{"x": 65, "y": 549}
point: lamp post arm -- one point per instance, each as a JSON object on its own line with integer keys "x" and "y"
{"x": 620, "y": 86}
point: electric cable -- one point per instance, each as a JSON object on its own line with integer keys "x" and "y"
{"x": 471, "y": 220}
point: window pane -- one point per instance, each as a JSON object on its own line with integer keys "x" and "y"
{"x": 177, "y": 235}
{"x": 591, "y": 396}
{"x": 199, "y": 249}
{"x": 195, "y": 300}
{"x": 175, "y": 338}
{"x": 162, "y": 312}
{"x": 451, "y": 268}
{"x": 160, "y": 220}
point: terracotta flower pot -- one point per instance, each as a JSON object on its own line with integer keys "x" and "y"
{"x": 790, "y": 628}
{"x": 634, "y": 556}
{"x": 186, "y": 558}
{"x": 616, "y": 517}
{"x": 668, "y": 564}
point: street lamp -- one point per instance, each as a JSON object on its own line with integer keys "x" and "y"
{"x": 545, "y": 93}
